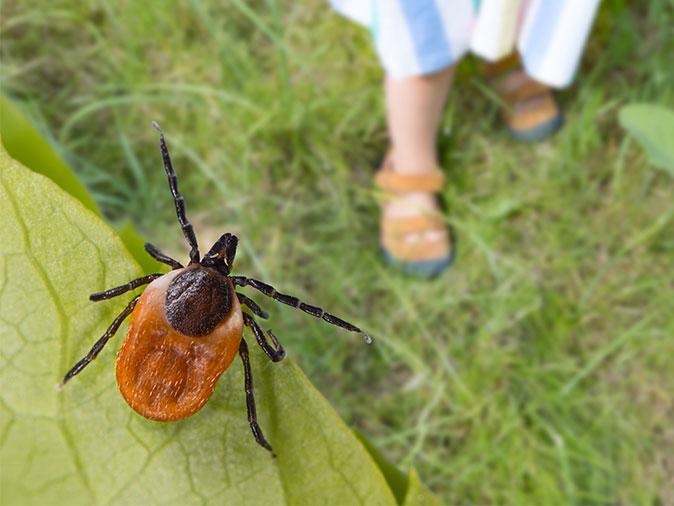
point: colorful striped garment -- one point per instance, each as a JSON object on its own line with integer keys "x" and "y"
{"x": 415, "y": 37}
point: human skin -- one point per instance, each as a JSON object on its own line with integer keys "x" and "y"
{"x": 414, "y": 108}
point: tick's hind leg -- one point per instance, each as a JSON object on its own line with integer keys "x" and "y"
{"x": 119, "y": 290}
{"x": 250, "y": 399}
{"x": 160, "y": 257}
{"x": 315, "y": 311}
{"x": 276, "y": 353}
{"x": 96, "y": 348}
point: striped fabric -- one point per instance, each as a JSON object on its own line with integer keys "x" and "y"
{"x": 415, "y": 37}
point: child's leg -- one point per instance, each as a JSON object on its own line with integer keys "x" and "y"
{"x": 414, "y": 108}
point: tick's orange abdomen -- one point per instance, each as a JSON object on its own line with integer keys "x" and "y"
{"x": 164, "y": 374}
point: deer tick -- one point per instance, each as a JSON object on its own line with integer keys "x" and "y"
{"x": 187, "y": 326}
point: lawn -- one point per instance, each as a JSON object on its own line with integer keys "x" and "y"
{"x": 538, "y": 370}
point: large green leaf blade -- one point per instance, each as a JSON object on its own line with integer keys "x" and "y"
{"x": 84, "y": 445}
{"x": 653, "y": 127}
{"x": 26, "y": 145}
{"x": 397, "y": 481}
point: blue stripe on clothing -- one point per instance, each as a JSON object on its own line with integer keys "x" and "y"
{"x": 431, "y": 45}
{"x": 542, "y": 30}
{"x": 374, "y": 27}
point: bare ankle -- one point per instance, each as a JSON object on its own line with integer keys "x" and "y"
{"x": 409, "y": 162}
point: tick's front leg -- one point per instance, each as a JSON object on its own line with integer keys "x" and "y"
{"x": 293, "y": 301}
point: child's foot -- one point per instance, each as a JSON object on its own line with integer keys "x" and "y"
{"x": 531, "y": 113}
{"x": 414, "y": 236}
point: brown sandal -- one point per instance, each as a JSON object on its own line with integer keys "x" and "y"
{"x": 530, "y": 113}
{"x": 423, "y": 258}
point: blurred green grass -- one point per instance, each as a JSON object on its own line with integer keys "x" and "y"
{"x": 537, "y": 371}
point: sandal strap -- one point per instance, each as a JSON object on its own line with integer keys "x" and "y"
{"x": 417, "y": 251}
{"x": 499, "y": 67}
{"x": 394, "y": 229}
{"x": 387, "y": 179}
{"x": 401, "y": 226}
{"x": 517, "y": 86}
{"x": 529, "y": 114}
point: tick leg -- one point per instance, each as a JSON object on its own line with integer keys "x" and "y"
{"x": 96, "y": 348}
{"x": 119, "y": 290}
{"x": 316, "y": 311}
{"x": 160, "y": 257}
{"x": 252, "y": 305}
{"x": 250, "y": 399}
{"x": 188, "y": 230}
{"x": 222, "y": 253}
{"x": 276, "y": 353}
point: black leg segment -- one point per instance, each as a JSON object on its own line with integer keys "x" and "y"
{"x": 250, "y": 399}
{"x": 178, "y": 199}
{"x": 119, "y": 290}
{"x": 252, "y": 305}
{"x": 160, "y": 257}
{"x": 316, "y": 311}
{"x": 276, "y": 353}
{"x": 98, "y": 346}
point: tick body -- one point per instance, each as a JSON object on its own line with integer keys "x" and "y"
{"x": 187, "y": 327}
{"x": 163, "y": 373}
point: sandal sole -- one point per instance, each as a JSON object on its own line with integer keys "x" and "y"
{"x": 539, "y": 132}
{"x": 427, "y": 269}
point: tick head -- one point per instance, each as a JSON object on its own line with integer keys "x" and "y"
{"x": 222, "y": 253}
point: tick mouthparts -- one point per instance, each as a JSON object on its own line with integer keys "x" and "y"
{"x": 367, "y": 338}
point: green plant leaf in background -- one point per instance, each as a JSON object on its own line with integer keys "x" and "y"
{"x": 84, "y": 445}
{"x": 24, "y": 143}
{"x": 408, "y": 490}
{"x": 416, "y": 494}
{"x": 653, "y": 127}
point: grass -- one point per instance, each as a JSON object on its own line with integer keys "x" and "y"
{"x": 539, "y": 369}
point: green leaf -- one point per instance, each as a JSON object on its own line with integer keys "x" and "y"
{"x": 653, "y": 127}
{"x": 408, "y": 490}
{"x": 135, "y": 245}
{"x": 27, "y": 146}
{"x": 84, "y": 445}
{"x": 395, "y": 478}
{"x": 24, "y": 143}
{"x": 417, "y": 494}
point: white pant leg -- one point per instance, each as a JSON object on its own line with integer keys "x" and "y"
{"x": 414, "y": 37}
{"x": 553, "y": 37}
